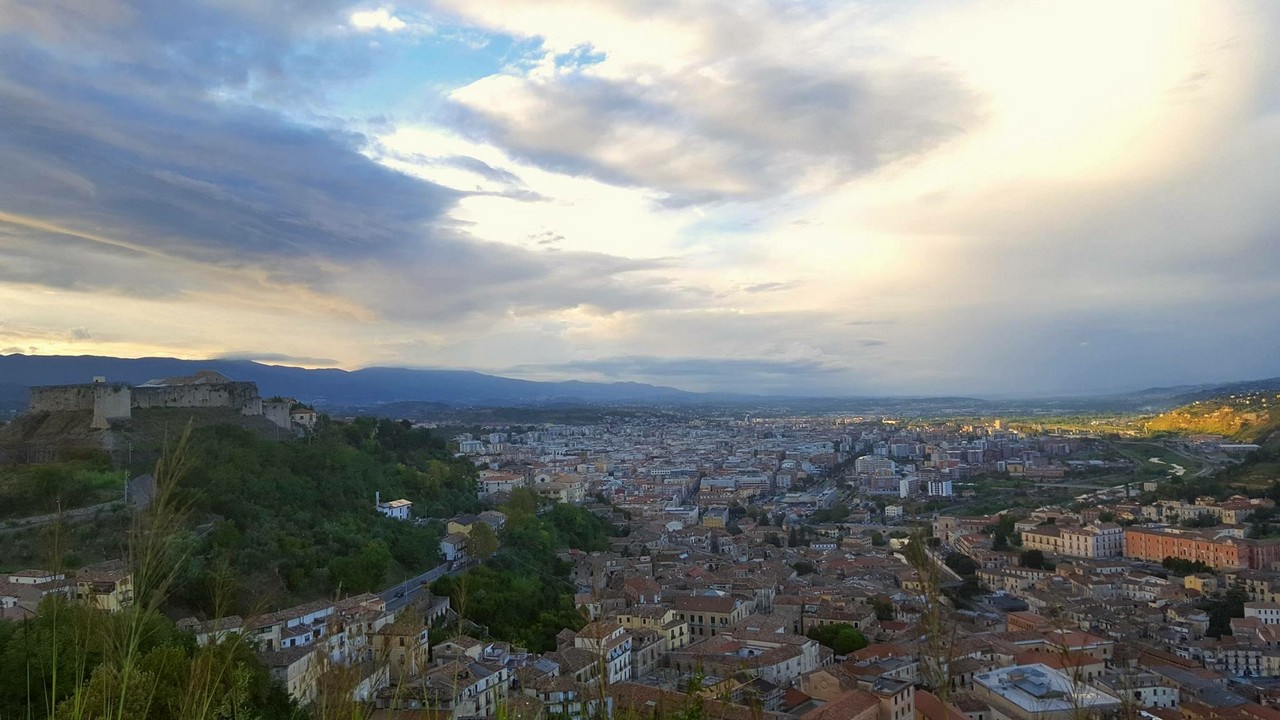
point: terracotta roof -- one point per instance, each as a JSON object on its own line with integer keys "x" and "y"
{"x": 850, "y": 705}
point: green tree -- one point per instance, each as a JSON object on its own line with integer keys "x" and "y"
{"x": 523, "y": 501}
{"x": 1031, "y": 559}
{"x": 482, "y": 542}
{"x": 884, "y": 608}
{"x": 842, "y": 638}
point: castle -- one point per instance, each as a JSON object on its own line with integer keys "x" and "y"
{"x": 206, "y": 389}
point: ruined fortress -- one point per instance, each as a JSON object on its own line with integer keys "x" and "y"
{"x": 206, "y": 389}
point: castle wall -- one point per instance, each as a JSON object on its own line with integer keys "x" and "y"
{"x": 115, "y": 401}
{"x": 278, "y": 412}
{"x": 111, "y": 402}
{"x": 55, "y": 398}
{"x": 237, "y": 395}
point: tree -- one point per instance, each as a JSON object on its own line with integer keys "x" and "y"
{"x": 1031, "y": 559}
{"x": 773, "y": 539}
{"x": 963, "y": 565}
{"x": 884, "y": 608}
{"x": 1183, "y": 566}
{"x": 523, "y": 501}
{"x": 877, "y": 539}
{"x": 1000, "y": 542}
{"x": 362, "y": 572}
{"x": 1221, "y": 610}
{"x": 803, "y": 567}
{"x": 482, "y": 542}
{"x": 842, "y": 638}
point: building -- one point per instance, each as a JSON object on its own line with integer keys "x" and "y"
{"x": 105, "y": 586}
{"x": 1038, "y": 692}
{"x": 394, "y": 509}
{"x": 717, "y": 516}
{"x": 1097, "y": 540}
{"x": 1268, "y": 613}
{"x": 454, "y": 546}
{"x": 1215, "y": 548}
{"x": 940, "y": 488}
{"x": 874, "y": 465}
{"x": 709, "y": 614}
{"x": 611, "y": 645}
{"x": 114, "y": 401}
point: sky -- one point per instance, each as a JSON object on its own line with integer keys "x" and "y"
{"x": 789, "y": 197}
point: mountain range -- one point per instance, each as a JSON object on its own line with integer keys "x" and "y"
{"x": 375, "y": 386}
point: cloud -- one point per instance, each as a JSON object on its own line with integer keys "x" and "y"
{"x": 377, "y": 19}
{"x": 814, "y": 197}
{"x": 152, "y": 193}
{"x": 750, "y": 374}
{"x": 270, "y": 357}
{"x": 766, "y": 287}
{"x": 80, "y": 333}
{"x": 742, "y": 113}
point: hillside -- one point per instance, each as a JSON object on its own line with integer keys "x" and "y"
{"x": 1247, "y": 416}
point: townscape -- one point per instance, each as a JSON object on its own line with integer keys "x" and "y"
{"x": 815, "y": 567}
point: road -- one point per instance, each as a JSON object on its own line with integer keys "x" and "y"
{"x": 401, "y": 594}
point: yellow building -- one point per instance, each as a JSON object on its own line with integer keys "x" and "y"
{"x": 1206, "y": 583}
{"x": 105, "y": 586}
{"x": 665, "y": 621}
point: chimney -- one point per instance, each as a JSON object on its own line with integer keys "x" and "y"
{"x": 377, "y": 498}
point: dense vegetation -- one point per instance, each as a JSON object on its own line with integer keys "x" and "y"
{"x": 296, "y": 520}
{"x": 38, "y": 489}
{"x": 66, "y": 660}
{"x": 523, "y": 593}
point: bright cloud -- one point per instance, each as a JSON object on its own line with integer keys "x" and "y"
{"x": 377, "y": 19}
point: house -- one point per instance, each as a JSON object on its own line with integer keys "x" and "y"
{"x": 23, "y": 590}
{"x": 454, "y": 546}
{"x": 105, "y": 586}
{"x": 394, "y": 509}
{"x": 706, "y": 614}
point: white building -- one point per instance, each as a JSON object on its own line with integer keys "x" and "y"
{"x": 1267, "y": 612}
{"x": 893, "y": 512}
{"x": 1038, "y": 692}
{"x": 873, "y": 465}
{"x": 394, "y": 509}
{"x": 940, "y": 488}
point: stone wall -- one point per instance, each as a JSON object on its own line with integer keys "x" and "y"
{"x": 55, "y": 398}
{"x": 277, "y": 411}
{"x": 115, "y": 401}
{"x": 237, "y": 395}
{"x": 111, "y": 402}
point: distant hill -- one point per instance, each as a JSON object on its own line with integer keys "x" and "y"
{"x": 382, "y": 389}
{"x": 330, "y": 387}
{"x": 1246, "y": 411}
